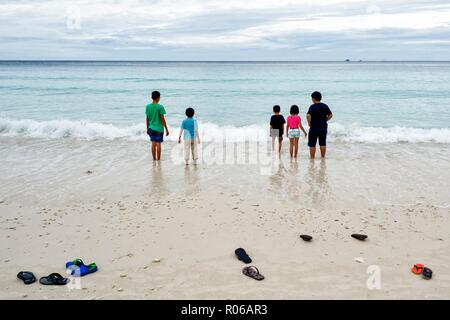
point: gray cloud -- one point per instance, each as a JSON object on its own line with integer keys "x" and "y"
{"x": 226, "y": 30}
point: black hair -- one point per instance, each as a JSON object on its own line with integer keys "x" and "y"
{"x": 276, "y": 108}
{"x": 190, "y": 112}
{"x": 295, "y": 110}
{"x": 316, "y": 95}
{"x": 156, "y": 95}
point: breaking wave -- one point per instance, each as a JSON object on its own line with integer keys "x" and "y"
{"x": 87, "y": 130}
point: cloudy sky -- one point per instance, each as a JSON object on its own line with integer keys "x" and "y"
{"x": 225, "y": 29}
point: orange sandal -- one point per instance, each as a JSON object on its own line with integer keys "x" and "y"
{"x": 417, "y": 269}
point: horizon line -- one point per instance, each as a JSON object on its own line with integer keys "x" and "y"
{"x": 220, "y": 61}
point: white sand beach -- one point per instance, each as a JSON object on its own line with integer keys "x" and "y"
{"x": 129, "y": 211}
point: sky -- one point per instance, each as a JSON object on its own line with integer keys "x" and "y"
{"x": 269, "y": 30}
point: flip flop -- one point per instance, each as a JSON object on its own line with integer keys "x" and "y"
{"x": 79, "y": 269}
{"x": 253, "y": 272}
{"x": 55, "y": 279}
{"x": 417, "y": 269}
{"x": 427, "y": 273}
{"x": 27, "y": 277}
{"x": 360, "y": 237}
{"x": 242, "y": 255}
{"x": 306, "y": 237}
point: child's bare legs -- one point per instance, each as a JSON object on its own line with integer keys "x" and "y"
{"x": 280, "y": 144}
{"x": 295, "y": 148}
{"x": 291, "y": 147}
{"x": 312, "y": 152}
{"x": 158, "y": 151}
{"x": 323, "y": 151}
{"x": 154, "y": 150}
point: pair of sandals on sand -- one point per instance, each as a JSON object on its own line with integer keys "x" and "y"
{"x": 54, "y": 279}
{"x": 77, "y": 269}
{"x": 250, "y": 271}
{"x": 420, "y": 269}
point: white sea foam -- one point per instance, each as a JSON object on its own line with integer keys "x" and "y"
{"x": 88, "y": 130}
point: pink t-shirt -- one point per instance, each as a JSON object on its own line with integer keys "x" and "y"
{"x": 293, "y": 122}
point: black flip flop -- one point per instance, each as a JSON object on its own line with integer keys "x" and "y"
{"x": 253, "y": 273}
{"x": 360, "y": 237}
{"x": 242, "y": 255}
{"x": 427, "y": 273}
{"x": 27, "y": 277}
{"x": 55, "y": 279}
{"x": 306, "y": 238}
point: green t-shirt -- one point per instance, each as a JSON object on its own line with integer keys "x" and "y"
{"x": 154, "y": 112}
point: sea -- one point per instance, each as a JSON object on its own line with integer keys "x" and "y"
{"x": 372, "y": 102}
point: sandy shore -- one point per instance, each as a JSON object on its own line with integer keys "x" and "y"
{"x": 126, "y": 214}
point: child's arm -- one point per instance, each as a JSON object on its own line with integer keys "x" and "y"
{"x": 198, "y": 136}
{"x": 179, "y": 137}
{"x": 146, "y": 121}
{"x": 303, "y": 129}
{"x": 163, "y": 120}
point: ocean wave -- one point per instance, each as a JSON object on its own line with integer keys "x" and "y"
{"x": 87, "y": 130}
{"x": 55, "y": 129}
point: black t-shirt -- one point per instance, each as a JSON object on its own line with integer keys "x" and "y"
{"x": 319, "y": 113}
{"x": 277, "y": 121}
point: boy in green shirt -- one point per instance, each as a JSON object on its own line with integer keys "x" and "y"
{"x": 156, "y": 123}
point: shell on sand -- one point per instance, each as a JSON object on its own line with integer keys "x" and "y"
{"x": 359, "y": 260}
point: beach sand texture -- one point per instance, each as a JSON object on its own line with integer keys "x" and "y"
{"x": 129, "y": 211}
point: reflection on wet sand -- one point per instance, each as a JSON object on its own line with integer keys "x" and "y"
{"x": 276, "y": 178}
{"x": 157, "y": 184}
{"x": 318, "y": 191}
{"x": 192, "y": 181}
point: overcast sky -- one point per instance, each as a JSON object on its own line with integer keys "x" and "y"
{"x": 225, "y": 29}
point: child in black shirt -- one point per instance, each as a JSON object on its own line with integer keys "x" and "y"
{"x": 277, "y": 127}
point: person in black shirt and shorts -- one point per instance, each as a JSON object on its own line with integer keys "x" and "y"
{"x": 318, "y": 116}
{"x": 277, "y": 122}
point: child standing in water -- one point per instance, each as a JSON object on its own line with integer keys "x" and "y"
{"x": 294, "y": 125}
{"x": 191, "y": 137}
{"x": 156, "y": 123}
{"x": 277, "y": 127}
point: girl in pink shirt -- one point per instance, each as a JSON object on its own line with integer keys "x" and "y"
{"x": 294, "y": 125}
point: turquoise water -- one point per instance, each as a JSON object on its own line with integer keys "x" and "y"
{"x": 52, "y": 98}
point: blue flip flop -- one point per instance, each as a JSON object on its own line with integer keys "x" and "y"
{"x": 79, "y": 269}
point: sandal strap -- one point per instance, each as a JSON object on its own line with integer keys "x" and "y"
{"x": 254, "y": 268}
{"x": 55, "y": 277}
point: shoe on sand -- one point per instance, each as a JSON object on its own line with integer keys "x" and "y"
{"x": 79, "y": 269}
{"x": 27, "y": 277}
{"x": 360, "y": 237}
{"x": 306, "y": 238}
{"x": 242, "y": 255}
{"x": 427, "y": 274}
{"x": 55, "y": 279}
{"x": 417, "y": 269}
{"x": 253, "y": 272}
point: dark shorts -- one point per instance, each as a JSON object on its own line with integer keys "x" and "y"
{"x": 155, "y": 136}
{"x": 317, "y": 134}
{"x": 277, "y": 132}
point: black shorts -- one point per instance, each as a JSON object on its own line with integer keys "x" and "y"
{"x": 277, "y": 132}
{"x": 315, "y": 134}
